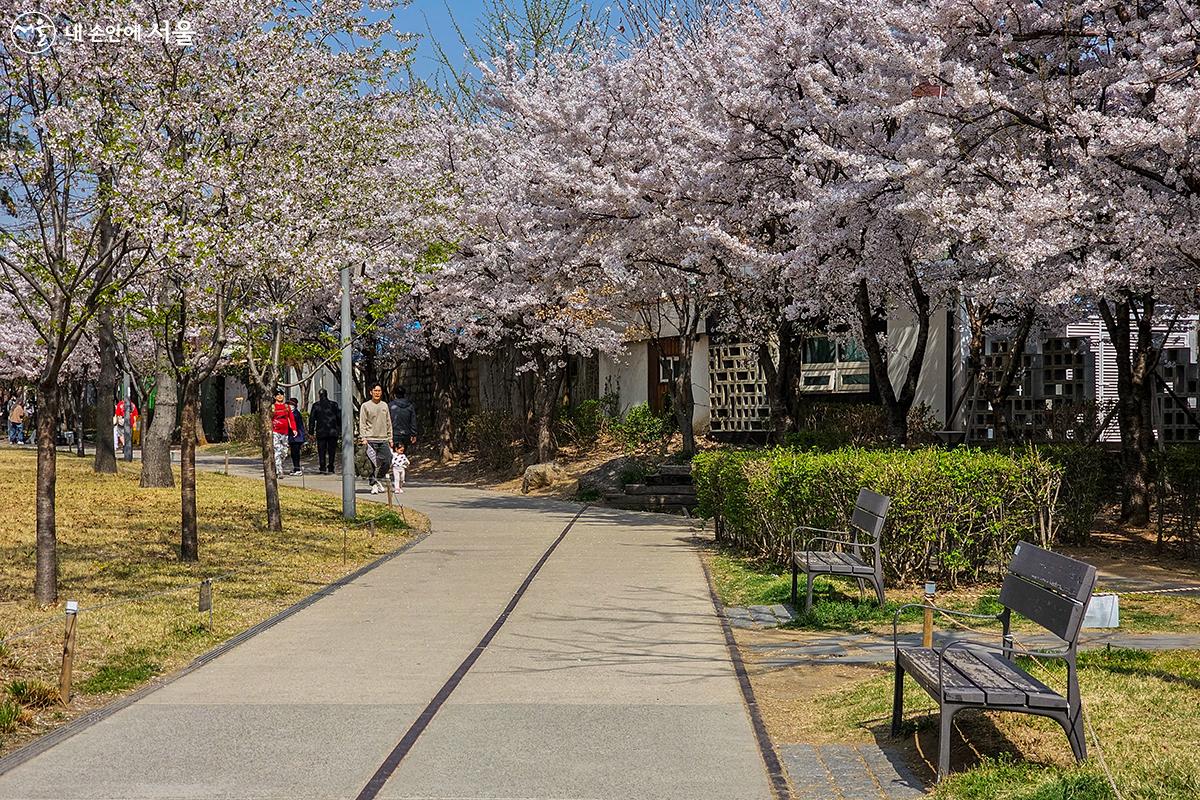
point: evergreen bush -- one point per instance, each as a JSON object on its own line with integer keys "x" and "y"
{"x": 956, "y": 514}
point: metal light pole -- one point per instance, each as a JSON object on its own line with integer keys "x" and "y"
{"x": 128, "y": 423}
{"x": 348, "y": 500}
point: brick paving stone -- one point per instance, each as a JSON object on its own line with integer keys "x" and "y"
{"x": 808, "y": 776}
{"x": 850, "y": 772}
{"x": 896, "y": 778}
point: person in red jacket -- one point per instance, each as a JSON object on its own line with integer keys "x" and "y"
{"x": 119, "y": 432}
{"x": 282, "y": 424}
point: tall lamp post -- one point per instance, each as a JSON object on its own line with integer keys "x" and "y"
{"x": 348, "y": 500}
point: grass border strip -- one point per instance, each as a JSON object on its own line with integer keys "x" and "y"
{"x": 64, "y": 732}
{"x": 774, "y": 767}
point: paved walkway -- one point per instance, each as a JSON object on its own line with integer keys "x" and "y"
{"x": 610, "y": 678}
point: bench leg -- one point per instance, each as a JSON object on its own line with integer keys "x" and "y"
{"x": 795, "y": 582}
{"x": 808, "y": 592}
{"x": 946, "y": 728}
{"x": 1075, "y": 735}
{"x": 879, "y": 589}
{"x": 898, "y": 701}
{"x": 862, "y": 588}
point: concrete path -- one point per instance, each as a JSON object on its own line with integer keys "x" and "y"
{"x": 610, "y": 678}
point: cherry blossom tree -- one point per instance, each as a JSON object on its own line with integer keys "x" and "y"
{"x": 1103, "y": 100}
{"x": 58, "y": 257}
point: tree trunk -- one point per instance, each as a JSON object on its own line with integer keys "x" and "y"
{"x": 998, "y": 393}
{"x": 81, "y": 397}
{"x": 45, "y": 586}
{"x": 189, "y": 542}
{"x": 781, "y": 417}
{"x": 1136, "y": 364}
{"x": 156, "y": 438}
{"x": 106, "y": 392}
{"x": 546, "y": 394}
{"x": 896, "y": 404}
{"x": 682, "y": 395}
{"x": 443, "y": 390}
{"x": 270, "y": 477}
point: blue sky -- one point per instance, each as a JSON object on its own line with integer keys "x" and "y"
{"x": 423, "y": 16}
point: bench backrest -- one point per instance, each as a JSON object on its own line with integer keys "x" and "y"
{"x": 1049, "y": 588}
{"x": 870, "y": 512}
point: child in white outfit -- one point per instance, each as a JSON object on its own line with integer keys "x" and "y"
{"x": 400, "y": 463}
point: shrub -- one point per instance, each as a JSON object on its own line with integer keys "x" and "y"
{"x": 640, "y": 427}
{"x": 1089, "y": 482}
{"x": 1179, "y": 498}
{"x": 495, "y": 438}
{"x": 955, "y": 514}
{"x": 242, "y": 429}
{"x": 582, "y": 424}
{"x": 829, "y": 426}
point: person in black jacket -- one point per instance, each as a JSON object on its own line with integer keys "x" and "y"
{"x": 297, "y": 437}
{"x": 404, "y": 420}
{"x": 325, "y": 425}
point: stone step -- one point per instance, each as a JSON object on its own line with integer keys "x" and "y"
{"x": 669, "y": 479}
{"x": 651, "y": 502}
{"x": 644, "y": 488}
{"x": 674, "y": 469}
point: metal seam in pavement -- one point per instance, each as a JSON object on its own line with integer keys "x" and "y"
{"x": 779, "y": 782}
{"x": 402, "y": 748}
{"x": 59, "y": 735}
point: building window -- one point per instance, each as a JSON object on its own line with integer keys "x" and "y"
{"x": 834, "y": 367}
{"x": 668, "y": 368}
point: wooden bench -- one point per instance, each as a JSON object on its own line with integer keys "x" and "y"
{"x": 1047, "y": 588}
{"x": 844, "y": 554}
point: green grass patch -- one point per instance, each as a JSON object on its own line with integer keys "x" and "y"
{"x": 1005, "y": 778}
{"x": 11, "y": 715}
{"x": 387, "y": 519}
{"x": 130, "y": 669}
{"x": 742, "y": 582}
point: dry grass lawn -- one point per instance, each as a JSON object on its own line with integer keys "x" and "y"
{"x": 118, "y": 542}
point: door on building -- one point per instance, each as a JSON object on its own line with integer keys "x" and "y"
{"x": 663, "y": 364}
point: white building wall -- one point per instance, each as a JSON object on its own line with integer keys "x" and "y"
{"x": 937, "y": 376}
{"x": 628, "y": 376}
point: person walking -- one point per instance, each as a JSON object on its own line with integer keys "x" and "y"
{"x": 375, "y": 432}
{"x": 404, "y": 420}
{"x": 325, "y": 425}
{"x": 282, "y": 424}
{"x": 119, "y": 432}
{"x": 400, "y": 464}
{"x": 297, "y": 438}
{"x": 16, "y": 423}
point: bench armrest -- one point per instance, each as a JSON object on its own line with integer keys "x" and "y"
{"x": 818, "y": 530}
{"x": 901, "y": 609}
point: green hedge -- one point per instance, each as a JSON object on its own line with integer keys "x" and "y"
{"x": 955, "y": 515}
{"x": 1178, "y": 490}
